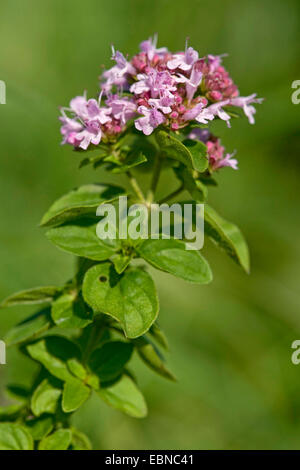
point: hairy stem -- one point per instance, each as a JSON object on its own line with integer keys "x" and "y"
{"x": 135, "y": 186}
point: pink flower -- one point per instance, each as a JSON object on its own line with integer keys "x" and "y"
{"x": 215, "y": 61}
{"x": 183, "y": 60}
{"x": 215, "y": 153}
{"x": 149, "y": 48}
{"x": 142, "y": 85}
{"x": 98, "y": 113}
{"x": 216, "y": 110}
{"x": 122, "y": 109}
{"x": 227, "y": 161}
{"x": 194, "y": 81}
{"x": 78, "y": 106}
{"x": 69, "y": 130}
{"x": 155, "y": 82}
{"x": 90, "y": 135}
{"x": 152, "y": 119}
{"x": 216, "y": 80}
{"x": 244, "y": 102}
{"x": 117, "y": 75}
{"x": 199, "y": 113}
{"x": 85, "y": 110}
{"x": 164, "y": 103}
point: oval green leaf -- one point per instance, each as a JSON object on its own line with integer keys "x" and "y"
{"x": 15, "y": 437}
{"x": 191, "y": 155}
{"x": 45, "y": 398}
{"x": 37, "y": 295}
{"x": 80, "y": 202}
{"x": 59, "y": 440}
{"x": 81, "y": 240}
{"x": 70, "y": 312}
{"x": 74, "y": 395}
{"x": 80, "y": 441}
{"x": 54, "y": 352}
{"x": 40, "y": 427}
{"x": 130, "y": 298}
{"x": 29, "y": 329}
{"x": 227, "y": 236}
{"x": 108, "y": 361}
{"x": 172, "y": 256}
{"x": 125, "y": 396}
{"x": 152, "y": 357}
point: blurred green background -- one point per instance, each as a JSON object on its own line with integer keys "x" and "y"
{"x": 230, "y": 341}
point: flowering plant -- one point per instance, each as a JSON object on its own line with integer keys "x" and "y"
{"x": 153, "y": 112}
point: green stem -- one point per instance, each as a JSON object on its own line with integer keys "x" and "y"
{"x": 135, "y": 186}
{"x": 155, "y": 178}
{"x": 172, "y": 195}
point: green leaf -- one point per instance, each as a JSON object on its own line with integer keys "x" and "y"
{"x": 195, "y": 187}
{"x": 38, "y": 295}
{"x": 40, "y": 427}
{"x": 80, "y": 441}
{"x": 77, "y": 369}
{"x": 80, "y": 202}
{"x": 151, "y": 356}
{"x": 130, "y": 298}
{"x": 29, "y": 329}
{"x": 172, "y": 256}
{"x": 53, "y": 352}
{"x": 108, "y": 361}
{"x": 59, "y": 440}
{"x": 133, "y": 159}
{"x": 227, "y": 236}
{"x": 198, "y": 151}
{"x": 121, "y": 262}
{"x": 69, "y": 311}
{"x": 15, "y": 437}
{"x": 45, "y": 398}
{"x": 82, "y": 240}
{"x": 18, "y": 392}
{"x": 74, "y": 395}
{"x": 159, "y": 336}
{"x": 192, "y": 156}
{"x": 125, "y": 396}
{"x": 10, "y": 413}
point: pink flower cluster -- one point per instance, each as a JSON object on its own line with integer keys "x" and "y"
{"x": 155, "y": 88}
{"x": 91, "y": 122}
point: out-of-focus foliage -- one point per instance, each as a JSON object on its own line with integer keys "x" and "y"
{"x": 231, "y": 340}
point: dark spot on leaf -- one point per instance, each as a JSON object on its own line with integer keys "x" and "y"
{"x": 102, "y": 278}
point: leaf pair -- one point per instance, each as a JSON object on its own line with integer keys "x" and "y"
{"x": 19, "y": 437}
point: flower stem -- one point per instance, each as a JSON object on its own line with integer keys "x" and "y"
{"x": 155, "y": 178}
{"x": 172, "y": 195}
{"x": 135, "y": 186}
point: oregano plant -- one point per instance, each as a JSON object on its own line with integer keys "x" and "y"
{"x": 153, "y": 113}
